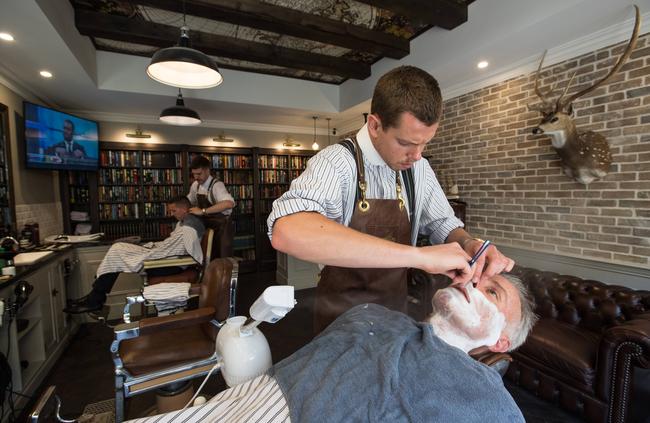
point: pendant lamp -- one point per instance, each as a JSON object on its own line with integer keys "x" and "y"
{"x": 179, "y": 114}
{"x": 184, "y": 67}
{"x": 315, "y": 145}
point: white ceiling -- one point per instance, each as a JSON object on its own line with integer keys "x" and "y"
{"x": 510, "y": 34}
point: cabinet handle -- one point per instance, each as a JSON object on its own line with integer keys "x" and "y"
{"x": 55, "y": 292}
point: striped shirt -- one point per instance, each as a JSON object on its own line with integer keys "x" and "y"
{"x": 259, "y": 400}
{"x": 328, "y": 186}
{"x": 124, "y": 257}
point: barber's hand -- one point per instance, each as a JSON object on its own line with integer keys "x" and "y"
{"x": 491, "y": 263}
{"x": 196, "y": 211}
{"x": 447, "y": 259}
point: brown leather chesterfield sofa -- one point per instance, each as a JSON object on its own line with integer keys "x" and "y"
{"x": 582, "y": 353}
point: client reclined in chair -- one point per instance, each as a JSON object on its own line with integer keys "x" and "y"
{"x": 373, "y": 364}
{"x": 185, "y": 239}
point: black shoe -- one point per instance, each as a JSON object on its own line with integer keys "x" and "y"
{"x": 80, "y": 308}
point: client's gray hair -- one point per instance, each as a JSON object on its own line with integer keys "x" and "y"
{"x": 519, "y": 331}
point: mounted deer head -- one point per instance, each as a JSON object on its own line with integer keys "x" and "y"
{"x": 585, "y": 155}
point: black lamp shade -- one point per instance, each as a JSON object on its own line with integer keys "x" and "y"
{"x": 179, "y": 114}
{"x": 184, "y": 67}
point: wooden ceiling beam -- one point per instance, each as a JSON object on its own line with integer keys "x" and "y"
{"x": 138, "y": 31}
{"x": 446, "y": 14}
{"x": 283, "y": 20}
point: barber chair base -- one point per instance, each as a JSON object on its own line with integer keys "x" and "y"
{"x": 174, "y": 397}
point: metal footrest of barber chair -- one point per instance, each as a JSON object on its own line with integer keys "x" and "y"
{"x": 100, "y": 315}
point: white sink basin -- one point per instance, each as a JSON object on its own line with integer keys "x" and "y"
{"x": 24, "y": 259}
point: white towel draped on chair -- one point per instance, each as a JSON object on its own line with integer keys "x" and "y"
{"x": 167, "y": 296}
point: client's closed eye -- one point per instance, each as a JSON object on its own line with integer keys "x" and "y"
{"x": 493, "y": 292}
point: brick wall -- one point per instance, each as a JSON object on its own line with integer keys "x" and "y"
{"x": 516, "y": 191}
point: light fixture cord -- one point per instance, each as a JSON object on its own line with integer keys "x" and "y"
{"x": 315, "y": 117}
{"x": 328, "y": 131}
{"x": 184, "y": 13}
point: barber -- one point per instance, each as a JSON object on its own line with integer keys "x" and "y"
{"x": 210, "y": 199}
{"x": 359, "y": 206}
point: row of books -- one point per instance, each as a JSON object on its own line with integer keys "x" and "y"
{"x": 299, "y": 162}
{"x": 234, "y": 177}
{"x": 274, "y": 177}
{"x": 161, "y": 159}
{"x": 265, "y": 206}
{"x": 119, "y": 158}
{"x": 232, "y": 161}
{"x": 119, "y": 211}
{"x": 242, "y": 242}
{"x": 77, "y": 178}
{"x": 119, "y": 176}
{"x": 239, "y": 192}
{"x": 162, "y": 192}
{"x": 119, "y": 193}
{"x": 244, "y": 206}
{"x": 269, "y": 160}
{"x": 162, "y": 176}
{"x": 79, "y": 195}
{"x": 155, "y": 209}
{"x": 246, "y": 254}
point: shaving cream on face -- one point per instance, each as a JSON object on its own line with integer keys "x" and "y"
{"x": 466, "y": 325}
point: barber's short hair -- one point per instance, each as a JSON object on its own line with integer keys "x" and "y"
{"x": 200, "y": 162}
{"x": 181, "y": 201}
{"x": 69, "y": 122}
{"x": 519, "y": 331}
{"x": 407, "y": 89}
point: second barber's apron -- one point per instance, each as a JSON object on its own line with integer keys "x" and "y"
{"x": 341, "y": 288}
{"x": 219, "y": 222}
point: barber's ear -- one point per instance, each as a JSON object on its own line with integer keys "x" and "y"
{"x": 502, "y": 345}
{"x": 374, "y": 125}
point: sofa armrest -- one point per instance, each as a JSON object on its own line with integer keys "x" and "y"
{"x": 621, "y": 348}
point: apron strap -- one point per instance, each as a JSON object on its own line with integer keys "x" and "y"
{"x": 210, "y": 194}
{"x": 407, "y": 177}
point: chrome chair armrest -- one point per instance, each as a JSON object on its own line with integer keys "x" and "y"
{"x": 130, "y": 300}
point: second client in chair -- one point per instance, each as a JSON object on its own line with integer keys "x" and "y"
{"x": 124, "y": 257}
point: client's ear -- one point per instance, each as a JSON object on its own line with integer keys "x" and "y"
{"x": 502, "y": 345}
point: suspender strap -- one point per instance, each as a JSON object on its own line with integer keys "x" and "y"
{"x": 210, "y": 194}
{"x": 409, "y": 185}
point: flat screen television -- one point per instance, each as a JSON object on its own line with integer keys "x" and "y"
{"x": 59, "y": 141}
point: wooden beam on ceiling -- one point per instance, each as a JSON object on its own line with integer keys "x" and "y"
{"x": 283, "y": 20}
{"x": 447, "y": 14}
{"x": 138, "y": 31}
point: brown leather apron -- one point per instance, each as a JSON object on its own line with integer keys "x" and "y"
{"x": 340, "y": 288}
{"x": 220, "y": 223}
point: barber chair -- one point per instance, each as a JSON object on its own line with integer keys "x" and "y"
{"x": 582, "y": 353}
{"x": 193, "y": 271}
{"x": 171, "y": 350}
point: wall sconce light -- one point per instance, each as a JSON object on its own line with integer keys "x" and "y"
{"x": 138, "y": 134}
{"x": 222, "y": 138}
{"x": 288, "y": 142}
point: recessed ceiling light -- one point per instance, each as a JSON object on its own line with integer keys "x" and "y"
{"x": 482, "y": 64}
{"x": 5, "y": 36}
{"x": 46, "y": 74}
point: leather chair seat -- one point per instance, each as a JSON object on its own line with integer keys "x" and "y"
{"x": 187, "y": 275}
{"x": 149, "y": 353}
{"x": 566, "y": 350}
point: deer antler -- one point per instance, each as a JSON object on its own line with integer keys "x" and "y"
{"x": 621, "y": 60}
{"x": 540, "y": 94}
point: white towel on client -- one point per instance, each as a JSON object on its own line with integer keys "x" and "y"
{"x": 167, "y": 296}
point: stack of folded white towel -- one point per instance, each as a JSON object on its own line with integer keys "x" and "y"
{"x": 168, "y": 297}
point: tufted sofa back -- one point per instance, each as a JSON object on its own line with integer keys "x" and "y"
{"x": 589, "y": 304}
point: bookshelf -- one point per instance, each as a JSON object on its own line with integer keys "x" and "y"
{"x": 275, "y": 171}
{"x": 133, "y": 187}
{"x": 127, "y": 196}
{"x": 7, "y": 207}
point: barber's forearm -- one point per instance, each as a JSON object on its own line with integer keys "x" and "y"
{"x": 312, "y": 237}
{"x": 219, "y": 207}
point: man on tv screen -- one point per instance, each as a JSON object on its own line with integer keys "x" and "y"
{"x": 67, "y": 148}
